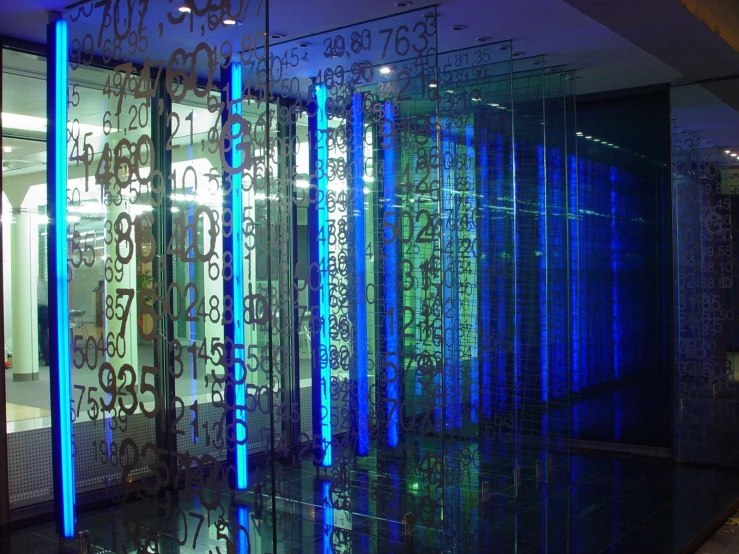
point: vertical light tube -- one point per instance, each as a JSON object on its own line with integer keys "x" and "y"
{"x": 56, "y": 189}
{"x": 486, "y": 248}
{"x": 616, "y": 274}
{"x": 234, "y": 288}
{"x": 574, "y": 228}
{"x": 472, "y": 254}
{"x": 392, "y": 314}
{"x": 543, "y": 274}
{"x": 360, "y": 271}
{"x": 501, "y": 257}
{"x": 450, "y": 290}
{"x": 318, "y": 229}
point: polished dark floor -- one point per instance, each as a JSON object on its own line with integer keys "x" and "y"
{"x": 589, "y": 504}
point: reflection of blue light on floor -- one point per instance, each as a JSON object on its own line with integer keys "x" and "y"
{"x": 328, "y": 518}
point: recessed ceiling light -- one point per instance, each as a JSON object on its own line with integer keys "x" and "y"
{"x": 450, "y": 91}
{"x": 475, "y": 99}
{"x": 303, "y": 44}
{"x": 483, "y": 39}
{"x": 504, "y": 47}
{"x": 727, "y": 151}
{"x": 385, "y": 70}
{"x": 579, "y": 133}
{"x": 230, "y": 22}
{"x": 403, "y": 4}
{"x": 184, "y": 9}
{"x": 276, "y": 36}
{"x": 7, "y": 149}
{"x": 735, "y": 155}
{"x": 458, "y": 27}
{"x": 537, "y": 62}
{"x": 494, "y": 105}
{"x": 433, "y": 85}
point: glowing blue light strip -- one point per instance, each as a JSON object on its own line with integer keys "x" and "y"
{"x": 235, "y": 244}
{"x": 574, "y": 229}
{"x": 558, "y": 276}
{"x": 360, "y": 269}
{"x": 450, "y": 291}
{"x": 543, "y": 274}
{"x": 242, "y": 538}
{"x": 392, "y": 331}
{"x": 321, "y": 374}
{"x": 486, "y": 250}
{"x": 57, "y": 194}
{"x": 501, "y": 245}
{"x": 472, "y": 255}
{"x": 616, "y": 269}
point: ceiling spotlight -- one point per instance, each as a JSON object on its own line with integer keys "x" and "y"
{"x": 537, "y": 62}
{"x": 230, "y": 22}
{"x": 483, "y": 39}
{"x": 403, "y": 4}
{"x": 494, "y": 105}
{"x": 458, "y": 27}
{"x": 385, "y": 70}
{"x": 588, "y": 137}
{"x": 450, "y": 91}
{"x": 579, "y": 133}
{"x": 504, "y": 47}
{"x": 7, "y": 149}
{"x": 433, "y": 85}
{"x": 735, "y": 155}
{"x": 184, "y": 9}
{"x": 517, "y": 54}
{"x": 303, "y": 44}
{"x": 276, "y": 36}
{"x": 727, "y": 151}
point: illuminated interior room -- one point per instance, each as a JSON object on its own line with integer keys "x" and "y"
{"x": 368, "y": 276}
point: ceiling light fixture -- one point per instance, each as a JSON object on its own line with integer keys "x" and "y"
{"x": 230, "y": 22}
{"x": 727, "y": 151}
{"x": 537, "y": 62}
{"x": 517, "y": 54}
{"x": 276, "y": 36}
{"x": 303, "y": 44}
{"x": 483, "y": 39}
{"x": 494, "y": 105}
{"x": 403, "y": 4}
{"x": 7, "y": 149}
{"x": 385, "y": 70}
{"x": 504, "y": 47}
{"x": 458, "y": 27}
{"x": 184, "y": 9}
{"x": 579, "y": 133}
{"x": 735, "y": 155}
{"x": 433, "y": 85}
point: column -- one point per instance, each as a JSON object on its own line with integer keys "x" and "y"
{"x": 24, "y": 279}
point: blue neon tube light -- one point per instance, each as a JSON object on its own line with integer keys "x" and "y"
{"x": 473, "y": 256}
{"x": 501, "y": 251}
{"x": 61, "y": 377}
{"x": 574, "y": 228}
{"x": 392, "y": 331}
{"x": 486, "y": 248}
{"x": 234, "y": 244}
{"x": 360, "y": 269}
{"x": 543, "y": 274}
{"x": 616, "y": 269}
{"x": 450, "y": 290}
{"x": 318, "y": 225}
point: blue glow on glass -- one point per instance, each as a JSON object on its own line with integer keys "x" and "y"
{"x": 450, "y": 258}
{"x": 543, "y": 274}
{"x": 241, "y": 539}
{"x": 58, "y": 228}
{"x": 501, "y": 244}
{"x": 392, "y": 317}
{"x": 487, "y": 249}
{"x": 472, "y": 232}
{"x": 557, "y": 276}
{"x": 616, "y": 270}
{"x": 324, "y": 302}
{"x": 236, "y": 244}
{"x": 360, "y": 268}
{"x": 328, "y": 518}
{"x": 574, "y": 228}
